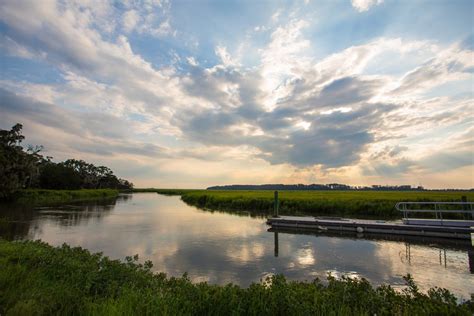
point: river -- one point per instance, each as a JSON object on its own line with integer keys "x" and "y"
{"x": 219, "y": 247}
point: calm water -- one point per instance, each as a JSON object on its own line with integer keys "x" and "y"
{"x": 221, "y": 248}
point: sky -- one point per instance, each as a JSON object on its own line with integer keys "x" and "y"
{"x": 189, "y": 94}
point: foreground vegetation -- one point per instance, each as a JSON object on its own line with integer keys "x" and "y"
{"x": 375, "y": 204}
{"x": 49, "y": 197}
{"x": 38, "y": 279}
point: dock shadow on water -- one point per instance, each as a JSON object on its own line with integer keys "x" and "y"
{"x": 217, "y": 247}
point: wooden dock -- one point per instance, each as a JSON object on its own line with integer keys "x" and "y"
{"x": 369, "y": 226}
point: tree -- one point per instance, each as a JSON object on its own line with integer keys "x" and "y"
{"x": 58, "y": 176}
{"x": 18, "y": 168}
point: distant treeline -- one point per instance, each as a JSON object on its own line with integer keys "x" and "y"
{"x": 324, "y": 187}
{"x": 28, "y": 169}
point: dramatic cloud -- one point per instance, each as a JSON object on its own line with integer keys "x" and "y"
{"x": 101, "y": 133}
{"x": 137, "y": 82}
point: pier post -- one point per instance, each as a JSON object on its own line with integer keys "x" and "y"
{"x": 275, "y": 234}
{"x": 470, "y": 255}
{"x": 275, "y": 204}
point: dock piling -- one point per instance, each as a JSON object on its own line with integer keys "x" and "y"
{"x": 275, "y": 204}
{"x": 275, "y": 235}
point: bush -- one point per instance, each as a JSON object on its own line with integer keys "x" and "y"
{"x": 37, "y": 279}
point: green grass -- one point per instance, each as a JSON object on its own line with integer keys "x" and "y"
{"x": 369, "y": 204}
{"x": 48, "y": 197}
{"x": 38, "y": 279}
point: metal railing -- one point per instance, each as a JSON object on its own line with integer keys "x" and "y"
{"x": 438, "y": 210}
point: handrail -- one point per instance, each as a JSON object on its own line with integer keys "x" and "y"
{"x": 454, "y": 203}
{"x": 438, "y": 211}
{"x": 402, "y": 207}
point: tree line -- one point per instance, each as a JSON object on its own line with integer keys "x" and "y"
{"x": 23, "y": 168}
{"x": 315, "y": 187}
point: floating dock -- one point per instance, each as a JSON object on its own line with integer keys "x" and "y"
{"x": 439, "y": 226}
{"x": 370, "y": 226}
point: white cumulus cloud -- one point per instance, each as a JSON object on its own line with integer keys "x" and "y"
{"x": 364, "y": 5}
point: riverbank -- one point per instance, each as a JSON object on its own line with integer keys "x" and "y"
{"x": 40, "y": 279}
{"x": 361, "y": 204}
{"x": 50, "y": 197}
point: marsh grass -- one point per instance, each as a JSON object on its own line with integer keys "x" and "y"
{"x": 50, "y": 197}
{"x": 362, "y": 204}
{"x": 38, "y": 279}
